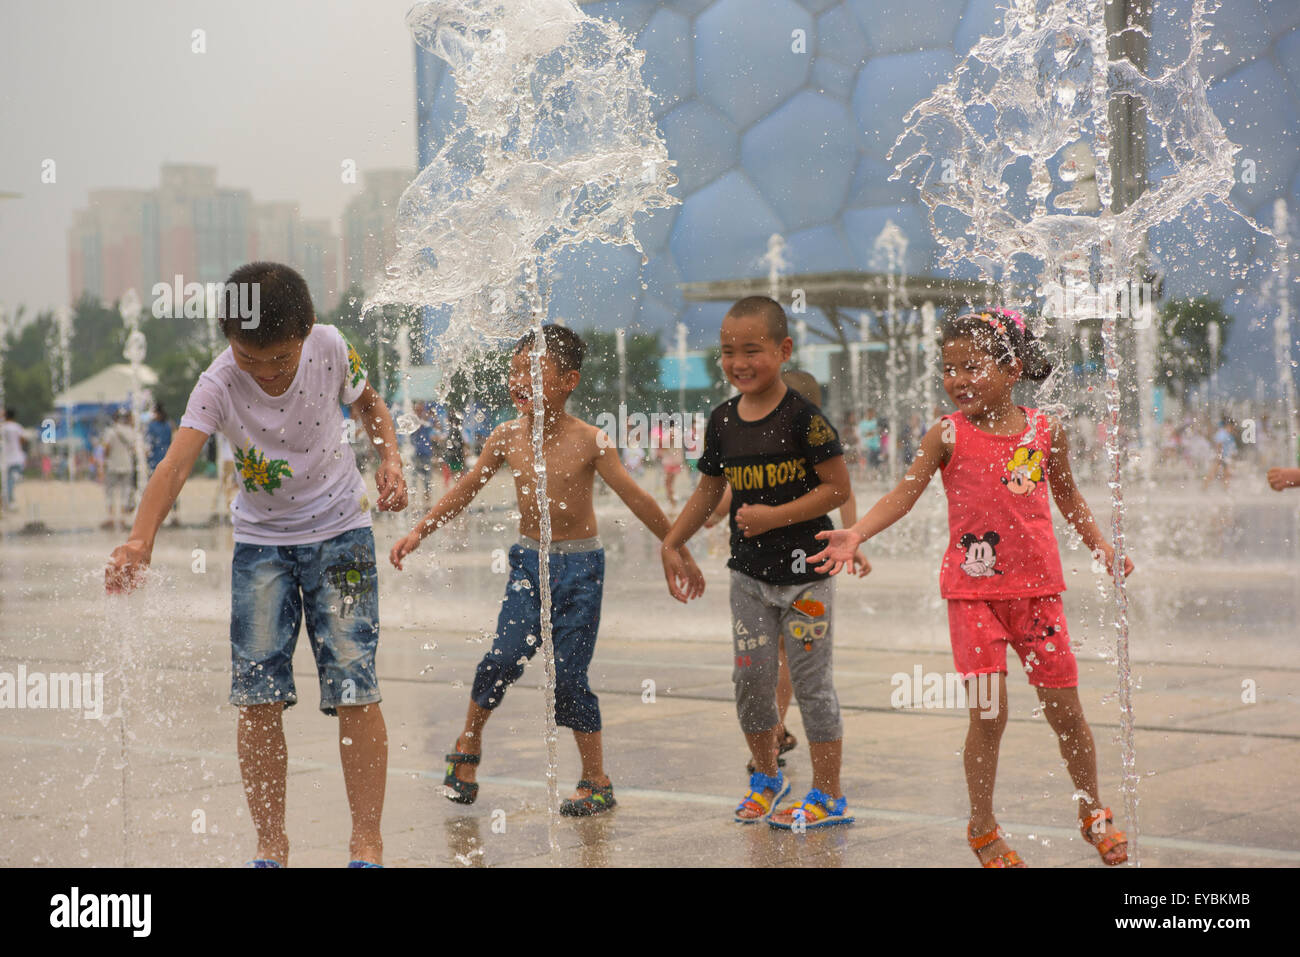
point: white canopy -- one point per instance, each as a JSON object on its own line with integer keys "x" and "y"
{"x": 112, "y": 385}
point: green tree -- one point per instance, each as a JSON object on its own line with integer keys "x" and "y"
{"x": 1184, "y": 342}
{"x": 28, "y": 389}
{"x": 599, "y": 389}
{"x": 98, "y": 336}
{"x": 483, "y": 379}
{"x": 366, "y": 333}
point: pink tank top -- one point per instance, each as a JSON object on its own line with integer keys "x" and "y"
{"x": 1000, "y": 538}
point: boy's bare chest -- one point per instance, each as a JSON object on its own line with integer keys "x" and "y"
{"x": 567, "y": 458}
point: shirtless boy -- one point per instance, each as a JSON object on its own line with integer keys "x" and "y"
{"x": 574, "y": 453}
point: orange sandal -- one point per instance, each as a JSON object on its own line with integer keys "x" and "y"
{"x": 1009, "y": 859}
{"x": 1114, "y": 840}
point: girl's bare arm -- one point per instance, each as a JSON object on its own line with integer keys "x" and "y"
{"x": 1066, "y": 493}
{"x": 895, "y": 504}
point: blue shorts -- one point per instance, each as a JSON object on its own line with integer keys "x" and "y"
{"x": 577, "y": 582}
{"x": 334, "y": 585}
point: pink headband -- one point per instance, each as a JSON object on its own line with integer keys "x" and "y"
{"x": 1011, "y": 314}
{"x": 995, "y": 316}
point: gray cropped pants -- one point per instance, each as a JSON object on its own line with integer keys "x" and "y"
{"x": 761, "y": 612}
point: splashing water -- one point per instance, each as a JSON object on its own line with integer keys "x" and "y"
{"x": 559, "y": 147}
{"x": 134, "y": 352}
{"x": 889, "y": 252}
{"x": 4, "y": 348}
{"x": 776, "y": 264}
{"x": 1282, "y": 327}
{"x": 1036, "y": 94}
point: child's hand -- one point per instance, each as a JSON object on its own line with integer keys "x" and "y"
{"x": 755, "y": 519}
{"x": 695, "y": 577}
{"x": 403, "y": 548}
{"x": 841, "y": 551}
{"x": 1108, "y": 555}
{"x": 126, "y": 567}
{"x": 1279, "y": 479}
{"x": 680, "y": 584}
{"x": 392, "y": 486}
{"x": 861, "y": 567}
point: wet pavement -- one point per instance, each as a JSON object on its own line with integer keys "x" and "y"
{"x": 1215, "y": 607}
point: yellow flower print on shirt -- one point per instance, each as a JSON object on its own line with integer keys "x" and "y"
{"x": 1025, "y": 471}
{"x": 355, "y": 371}
{"x": 256, "y": 470}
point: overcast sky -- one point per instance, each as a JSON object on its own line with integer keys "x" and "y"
{"x": 286, "y": 91}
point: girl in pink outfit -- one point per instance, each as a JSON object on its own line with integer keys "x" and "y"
{"x": 1001, "y": 573}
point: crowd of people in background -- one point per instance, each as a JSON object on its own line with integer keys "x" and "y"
{"x": 1199, "y": 452}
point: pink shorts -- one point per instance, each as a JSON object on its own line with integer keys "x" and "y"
{"x": 1035, "y": 627}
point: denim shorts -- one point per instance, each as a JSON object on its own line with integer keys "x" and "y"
{"x": 577, "y": 582}
{"x": 334, "y": 585}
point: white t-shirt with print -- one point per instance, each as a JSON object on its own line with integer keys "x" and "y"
{"x": 298, "y": 479}
{"x": 13, "y": 444}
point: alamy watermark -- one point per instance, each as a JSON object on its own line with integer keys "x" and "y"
{"x": 1076, "y": 301}
{"x": 71, "y": 691}
{"x": 658, "y": 430}
{"x": 194, "y": 300}
{"x": 932, "y": 689}
{"x": 125, "y": 911}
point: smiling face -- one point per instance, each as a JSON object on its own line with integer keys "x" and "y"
{"x": 556, "y": 385}
{"x": 751, "y": 358}
{"x": 271, "y": 366}
{"x": 974, "y": 380}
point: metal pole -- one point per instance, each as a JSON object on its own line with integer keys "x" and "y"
{"x": 620, "y": 346}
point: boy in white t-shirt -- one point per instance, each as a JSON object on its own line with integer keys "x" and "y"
{"x": 303, "y": 542}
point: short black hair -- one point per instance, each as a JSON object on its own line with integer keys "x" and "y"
{"x": 778, "y": 327}
{"x": 1003, "y": 334}
{"x": 284, "y": 309}
{"x": 564, "y": 346}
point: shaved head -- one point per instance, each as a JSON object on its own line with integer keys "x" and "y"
{"x": 769, "y": 310}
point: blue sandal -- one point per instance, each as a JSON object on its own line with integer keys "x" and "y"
{"x": 367, "y": 864}
{"x": 263, "y": 862}
{"x": 817, "y": 809}
{"x": 754, "y": 800}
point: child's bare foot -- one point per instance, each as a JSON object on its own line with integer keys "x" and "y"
{"x": 1098, "y": 829}
{"x": 592, "y": 796}
{"x": 583, "y": 792}
{"x": 757, "y": 804}
{"x": 274, "y": 849}
{"x": 367, "y": 847}
{"x": 996, "y": 850}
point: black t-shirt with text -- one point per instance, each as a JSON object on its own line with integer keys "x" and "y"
{"x": 772, "y": 461}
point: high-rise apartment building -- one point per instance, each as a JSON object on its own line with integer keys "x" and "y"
{"x": 192, "y": 228}
{"x": 369, "y": 234}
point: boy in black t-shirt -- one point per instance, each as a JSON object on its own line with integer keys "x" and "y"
{"x": 786, "y": 469}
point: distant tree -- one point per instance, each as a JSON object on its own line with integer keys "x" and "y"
{"x": 98, "y": 336}
{"x": 1184, "y": 342}
{"x": 599, "y": 389}
{"x": 483, "y": 379}
{"x": 28, "y": 389}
